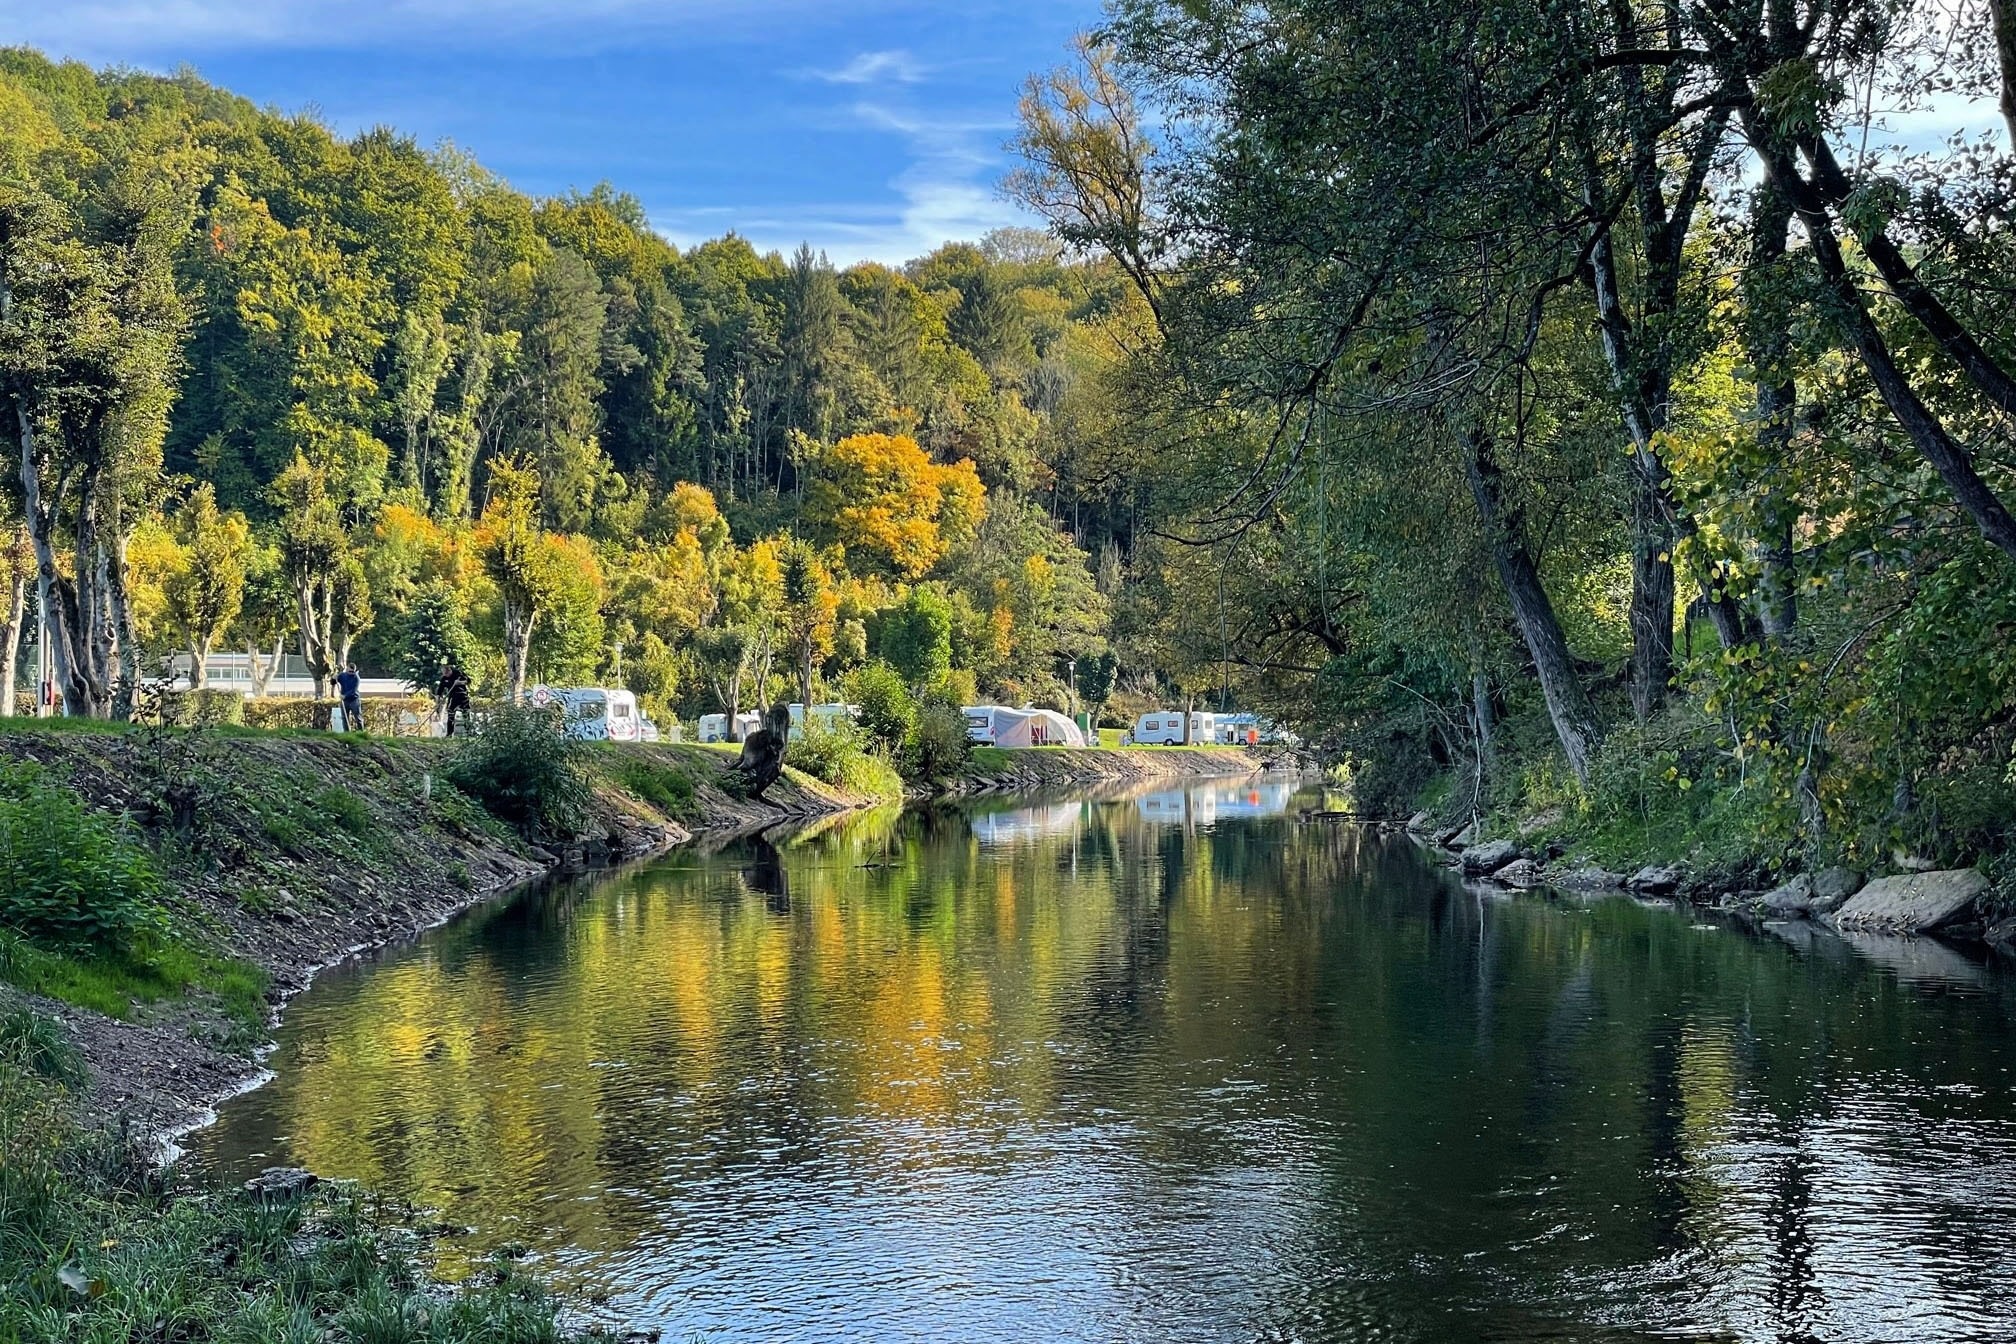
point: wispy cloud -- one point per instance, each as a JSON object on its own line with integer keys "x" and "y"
{"x": 876, "y": 67}
{"x": 945, "y": 192}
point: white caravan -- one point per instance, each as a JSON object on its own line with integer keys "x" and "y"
{"x": 715, "y": 727}
{"x": 1164, "y": 728}
{"x": 826, "y": 718}
{"x": 593, "y": 713}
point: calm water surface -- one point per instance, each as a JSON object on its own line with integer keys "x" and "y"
{"x": 1174, "y": 1067}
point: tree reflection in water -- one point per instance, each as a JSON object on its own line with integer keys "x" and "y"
{"x": 1166, "y": 1068}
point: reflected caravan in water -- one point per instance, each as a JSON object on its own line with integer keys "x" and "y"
{"x": 1134, "y": 1069}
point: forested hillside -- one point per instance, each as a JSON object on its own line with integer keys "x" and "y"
{"x": 275, "y": 389}
{"x": 1591, "y": 412}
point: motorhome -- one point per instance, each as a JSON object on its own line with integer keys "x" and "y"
{"x": 1164, "y": 727}
{"x": 593, "y": 713}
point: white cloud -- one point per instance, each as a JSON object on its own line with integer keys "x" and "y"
{"x": 876, "y": 67}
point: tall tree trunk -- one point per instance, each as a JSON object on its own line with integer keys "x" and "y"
{"x": 311, "y": 601}
{"x": 56, "y": 600}
{"x": 10, "y": 640}
{"x": 805, "y": 674}
{"x": 1574, "y": 718}
{"x": 2003, "y": 12}
{"x": 1777, "y": 407}
{"x": 518, "y": 623}
{"x": 199, "y": 661}
{"x": 735, "y": 698}
{"x": 1644, "y": 395}
{"x": 1954, "y": 463}
{"x": 125, "y": 630}
{"x": 265, "y": 669}
{"x": 1487, "y": 731}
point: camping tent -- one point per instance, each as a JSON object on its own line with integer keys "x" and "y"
{"x": 1034, "y": 728}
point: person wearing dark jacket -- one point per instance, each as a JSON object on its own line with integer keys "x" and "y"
{"x": 349, "y": 686}
{"x": 455, "y": 695}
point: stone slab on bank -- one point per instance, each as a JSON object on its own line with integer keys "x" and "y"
{"x": 1913, "y": 902}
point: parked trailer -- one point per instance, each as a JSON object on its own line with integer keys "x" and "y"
{"x": 1164, "y": 727}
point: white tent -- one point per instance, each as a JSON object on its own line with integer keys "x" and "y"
{"x": 1034, "y": 728}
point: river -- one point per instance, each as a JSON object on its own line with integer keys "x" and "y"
{"x": 1172, "y": 1067}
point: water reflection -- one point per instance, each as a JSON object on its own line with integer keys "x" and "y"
{"x": 1093, "y": 1069}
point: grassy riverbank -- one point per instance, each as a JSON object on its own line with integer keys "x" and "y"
{"x": 162, "y": 892}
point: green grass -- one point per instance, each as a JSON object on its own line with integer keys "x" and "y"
{"x": 347, "y": 811}
{"x": 100, "y": 1245}
{"x": 113, "y": 984}
{"x": 668, "y": 789}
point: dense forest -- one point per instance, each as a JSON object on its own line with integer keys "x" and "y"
{"x": 274, "y": 390}
{"x": 1584, "y": 413}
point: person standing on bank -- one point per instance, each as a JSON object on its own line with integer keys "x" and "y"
{"x": 455, "y": 694}
{"x": 348, "y": 684}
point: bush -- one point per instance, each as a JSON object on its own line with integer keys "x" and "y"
{"x": 70, "y": 876}
{"x": 525, "y": 771}
{"x": 286, "y": 712}
{"x": 205, "y": 708}
{"x": 384, "y": 716}
{"x": 888, "y": 713}
{"x": 841, "y": 757}
{"x": 938, "y": 747}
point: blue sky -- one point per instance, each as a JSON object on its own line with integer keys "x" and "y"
{"x": 869, "y": 128}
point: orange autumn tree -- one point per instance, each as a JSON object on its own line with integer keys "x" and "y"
{"x": 883, "y": 499}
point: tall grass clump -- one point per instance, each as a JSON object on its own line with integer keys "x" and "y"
{"x": 526, "y": 771}
{"x": 843, "y": 758}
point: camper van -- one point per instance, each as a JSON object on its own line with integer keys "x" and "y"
{"x": 594, "y": 713}
{"x": 715, "y": 727}
{"x": 1164, "y": 727}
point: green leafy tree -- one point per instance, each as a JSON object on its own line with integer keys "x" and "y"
{"x": 207, "y": 590}
{"x": 916, "y": 637}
